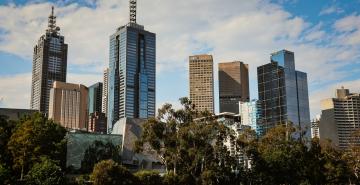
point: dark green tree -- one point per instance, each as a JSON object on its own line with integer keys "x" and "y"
{"x": 5, "y": 176}
{"x": 6, "y": 129}
{"x": 189, "y": 146}
{"x": 36, "y": 136}
{"x": 109, "y": 172}
{"x": 45, "y": 172}
{"x": 97, "y": 152}
{"x": 148, "y": 177}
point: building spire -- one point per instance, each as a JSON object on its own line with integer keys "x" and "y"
{"x": 132, "y": 8}
{"x": 52, "y": 28}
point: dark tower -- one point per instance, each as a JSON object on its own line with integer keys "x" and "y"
{"x": 49, "y": 65}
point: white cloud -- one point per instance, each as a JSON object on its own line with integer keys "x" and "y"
{"x": 245, "y": 30}
{"x": 350, "y": 28}
{"x": 16, "y": 89}
{"x": 331, "y": 10}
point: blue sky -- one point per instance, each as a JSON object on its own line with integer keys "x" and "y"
{"x": 324, "y": 34}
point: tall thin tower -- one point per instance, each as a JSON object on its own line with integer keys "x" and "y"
{"x": 49, "y": 65}
{"x": 132, "y": 69}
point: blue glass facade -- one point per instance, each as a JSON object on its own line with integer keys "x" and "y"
{"x": 283, "y": 93}
{"x": 95, "y": 98}
{"x": 132, "y": 70}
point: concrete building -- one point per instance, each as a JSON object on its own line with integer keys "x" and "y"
{"x": 68, "y": 105}
{"x": 16, "y": 114}
{"x": 131, "y": 91}
{"x": 283, "y": 93}
{"x": 202, "y": 82}
{"x": 95, "y": 98}
{"x": 340, "y": 118}
{"x": 49, "y": 65}
{"x": 315, "y": 133}
{"x": 105, "y": 91}
{"x": 97, "y": 123}
{"x": 250, "y": 113}
{"x": 233, "y": 85}
{"x": 131, "y": 130}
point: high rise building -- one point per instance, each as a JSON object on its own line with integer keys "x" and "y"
{"x": 315, "y": 128}
{"x": 105, "y": 92}
{"x": 132, "y": 71}
{"x": 233, "y": 85}
{"x": 340, "y": 118}
{"x": 95, "y": 98}
{"x": 68, "y": 105}
{"x": 250, "y": 113}
{"x": 49, "y": 65}
{"x": 97, "y": 123}
{"x": 202, "y": 82}
{"x": 283, "y": 93}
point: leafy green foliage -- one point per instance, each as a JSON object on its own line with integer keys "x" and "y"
{"x": 97, "y": 152}
{"x": 5, "y": 176}
{"x": 148, "y": 178}
{"x": 109, "y": 172}
{"x": 46, "y": 172}
{"x": 36, "y": 136}
{"x": 188, "y": 147}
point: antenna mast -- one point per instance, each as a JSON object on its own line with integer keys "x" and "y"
{"x": 132, "y": 7}
{"x": 52, "y": 28}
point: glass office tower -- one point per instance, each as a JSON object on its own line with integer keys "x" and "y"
{"x": 95, "y": 98}
{"x": 283, "y": 93}
{"x": 131, "y": 90}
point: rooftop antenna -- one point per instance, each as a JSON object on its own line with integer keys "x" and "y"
{"x": 52, "y": 28}
{"x": 132, "y": 7}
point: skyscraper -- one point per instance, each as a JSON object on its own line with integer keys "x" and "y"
{"x": 95, "y": 98}
{"x": 233, "y": 85}
{"x": 68, "y": 105}
{"x": 202, "y": 82}
{"x": 105, "y": 92}
{"x": 283, "y": 93}
{"x": 340, "y": 118}
{"x": 132, "y": 70}
{"x": 49, "y": 65}
{"x": 250, "y": 114}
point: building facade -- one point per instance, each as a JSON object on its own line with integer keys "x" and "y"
{"x": 95, "y": 98}
{"x": 283, "y": 93}
{"x": 105, "y": 91}
{"x": 340, "y": 118}
{"x": 250, "y": 113}
{"x": 97, "y": 123}
{"x": 49, "y": 65}
{"x": 132, "y": 70}
{"x": 233, "y": 85}
{"x": 69, "y": 105}
{"x": 202, "y": 82}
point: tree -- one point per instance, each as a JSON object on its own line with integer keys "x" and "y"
{"x": 6, "y": 129}
{"x": 148, "y": 177}
{"x": 108, "y": 172}
{"x": 5, "y": 176}
{"x": 46, "y": 172}
{"x": 97, "y": 152}
{"x": 37, "y": 136}
{"x": 188, "y": 146}
{"x": 352, "y": 155}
